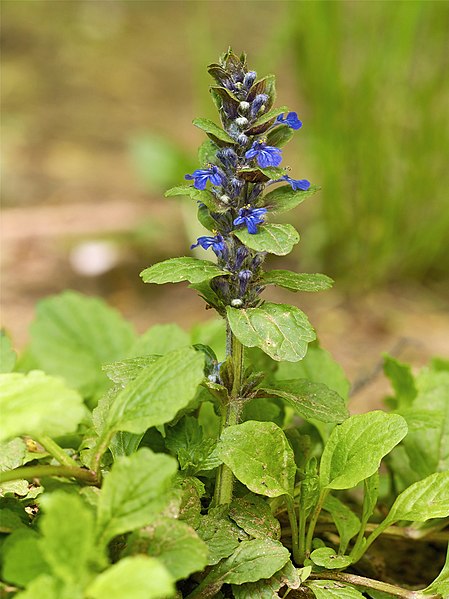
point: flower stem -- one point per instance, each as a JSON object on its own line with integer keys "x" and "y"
{"x": 375, "y": 585}
{"x": 30, "y": 472}
{"x": 56, "y": 451}
{"x": 230, "y": 416}
{"x": 314, "y": 520}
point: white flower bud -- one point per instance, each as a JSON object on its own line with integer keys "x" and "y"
{"x": 236, "y": 303}
{"x": 225, "y": 199}
{"x": 241, "y": 121}
{"x": 244, "y": 106}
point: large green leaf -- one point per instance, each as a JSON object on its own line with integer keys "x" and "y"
{"x": 402, "y": 381}
{"x": 176, "y": 545}
{"x": 250, "y": 562}
{"x": 37, "y": 404}
{"x": 281, "y": 331}
{"x": 134, "y": 492}
{"x": 284, "y": 198}
{"x": 213, "y": 131}
{"x": 425, "y": 499}
{"x": 22, "y": 557}
{"x": 220, "y": 535}
{"x": 271, "y": 237}
{"x": 260, "y": 457}
{"x": 137, "y": 577}
{"x": 67, "y": 543}
{"x": 253, "y": 514}
{"x": 355, "y": 448}
{"x": 175, "y": 270}
{"x": 73, "y": 335}
{"x": 309, "y": 400}
{"x": 42, "y": 587}
{"x": 297, "y": 282}
{"x": 158, "y": 393}
{"x": 329, "y": 589}
{"x": 267, "y": 588}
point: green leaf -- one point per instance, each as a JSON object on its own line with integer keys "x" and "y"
{"x": 137, "y": 577}
{"x": 42, "y": 587}
{"x": 8, "y": 356}
{"x": 347, "y": 523}
{"x": 259, "y": 174}
{"x": 329, "y": 589}
{"x": 356, "y": 447}
{"x": 158, "y": 392}
{"x": 402, "y": 380}
{"x": 318, "y": 366}
{"x": 175, "y": 270}
{"x": 176, "y": 545}
{"x": 280, "y": 330}
{"x": 134, "y": 492}
{"x": 279, "y": 136}
{"x": 213, "y": 131}
{"x": 35, "y": 403}
{"x": 159, "y": 340}
{"x": 310, "y": 490}
{"x": 260, "y": 457}
{"x": 220, "y": 535}
{"x": 12, "y": 454}
{"x": 251, "y": 561}
{"x": 273, "y": 238}
{"x": 267, "y": 588}
{"x": 309, "y": 400}
{"x": 126, "y": 371}
{"x": 74, "y": 335}
{"x": 327, "y": 558}
{"x": 194, "y": 452}
{"x": 253, "y": 514}
{"x": 425, "y": 499}
{"x": 297, "y": 282}
{"x": 207, "y": 152}
{"x": 67, "y": 543}
{"x": 371, "y": 489}
{"x": 199, "y": 195}
{"x": 22, "y": 557}
{"x": 284, "y": 198}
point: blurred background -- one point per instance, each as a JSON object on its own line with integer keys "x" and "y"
{"x": 98, "y": 99}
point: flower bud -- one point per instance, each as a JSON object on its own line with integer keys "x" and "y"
{"x": 244, "y": 278}
{"x": 236, "y": 303}
{"x": 241, "y": 121}
{"x": 240, "y": 256}
{"x": 258, "y": 103}
{"x": 249, "y": 79}
{"x": 235, "y": 186}
{"x": 228, "y": 157}
{"x": 244, "y": 107}
{"x": 242, "y": 139}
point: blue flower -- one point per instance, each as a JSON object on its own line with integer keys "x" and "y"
{"x": 266, "y": 155}
{"x": 202, "y": 175}
{"x": 297, "y": 184}
{"x": 250, "y": 217}
{"x": 291, "y": 120}
{"x": 217, "y": 244}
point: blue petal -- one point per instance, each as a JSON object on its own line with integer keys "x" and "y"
{"x": 252, "y": 226}
{"x": 200, "y": 183}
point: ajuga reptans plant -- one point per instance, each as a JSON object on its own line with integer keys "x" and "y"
{"x": 145, "y": 467}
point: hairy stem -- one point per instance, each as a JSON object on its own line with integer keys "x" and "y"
{"x": 294, "y": 526}
{"x": 368, "y": 583}
{"x": 29, "y": 472}
{"x": 230, "y": 416}
{"x": 56, "y": 451}
{"x": 314, "y": 520}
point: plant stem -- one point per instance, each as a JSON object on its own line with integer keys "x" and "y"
{"x": 100, "y": 448}
{"x": 357, "y": 552}
{"x": 314, "y": 520}
{"x": 376, "y": 585}
{"x": 230, "y": 416}
{"x": 56, "y": 451}
{"x": 30, "y": 472}
{"x": 294, "y": 526}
